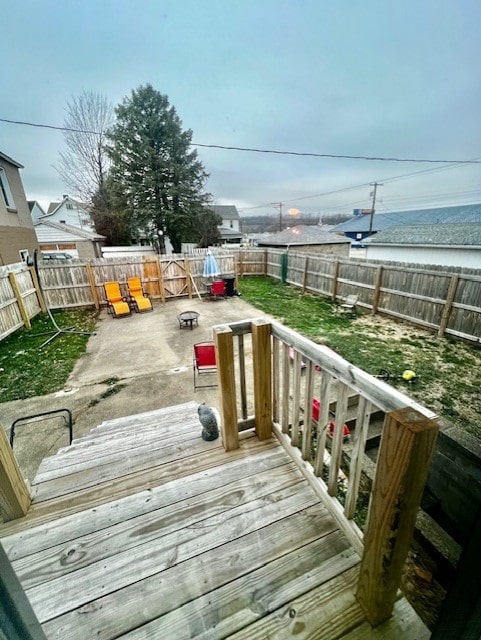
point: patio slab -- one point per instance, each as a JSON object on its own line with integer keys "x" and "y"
{"x": 134, "y": 364}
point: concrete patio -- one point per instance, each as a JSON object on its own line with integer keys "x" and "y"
{"x": 134, "y": 364}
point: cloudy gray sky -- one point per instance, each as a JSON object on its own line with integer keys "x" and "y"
{"x": 343, "y": 77}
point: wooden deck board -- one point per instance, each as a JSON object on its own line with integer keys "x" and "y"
{"x": 164, "y": 592}
{"x": 57, "y": 507}
{"x": 168, "y": 536}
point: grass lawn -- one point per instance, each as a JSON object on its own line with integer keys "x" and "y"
{"x": 27, "y": 369}
{"x": 447, "y": 370}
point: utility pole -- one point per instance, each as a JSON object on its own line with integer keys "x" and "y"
{"x": 278, "y": 205}
{"x": 375, "y": 185}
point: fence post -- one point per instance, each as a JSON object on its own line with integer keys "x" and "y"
{"x": 161, "y": 282}
{"x": 335, "y": 277}
{"x": 448, "y": 305}
{"x": 14, "y": 494}
{"x": 304, "y": 275}
{"x": 261, "y": 355}
{"x": 38, "y": 291}
{"x": 93, "y": 287}
{"x": 21, "y": 305}
{"x": 187, "y": 276}
{"x": 377, "y": 290}
{"x": 224, "y": 347}
{"x": 404, "y": 458}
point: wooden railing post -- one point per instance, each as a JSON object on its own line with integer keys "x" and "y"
{"x": 14, "y": 493}
{"x": 404, "y": 459}
{"x": 261, "y": 354}
{"x": 224, "y": 347}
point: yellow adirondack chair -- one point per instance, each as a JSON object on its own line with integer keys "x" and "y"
{"x": 137, "y": 295}
{"x": 118, "y": 306}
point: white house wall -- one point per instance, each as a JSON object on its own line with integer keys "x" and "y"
{"x": 232, "y": 225}
{"x": 76, "y": 216}
{"x": 445, "y": 256}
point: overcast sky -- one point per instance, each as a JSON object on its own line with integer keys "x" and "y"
{"x": 344, "y": 77}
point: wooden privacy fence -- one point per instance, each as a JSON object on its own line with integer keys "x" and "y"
{"x": 20, "y": 299}
{"x": 78, "y": 284}
{"x": 448, "y": 302}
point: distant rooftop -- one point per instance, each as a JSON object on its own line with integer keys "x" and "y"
{"x": 448, "y": 234}
{"x": 439, "y": 215}
{"x": 225, "y": 211}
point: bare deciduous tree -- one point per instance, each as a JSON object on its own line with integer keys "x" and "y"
{"x": 84, "y": 165}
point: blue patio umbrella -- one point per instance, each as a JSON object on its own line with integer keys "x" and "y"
{"x": 211, "y": 268}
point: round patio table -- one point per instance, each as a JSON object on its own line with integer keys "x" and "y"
{"x": 188, "y": 319}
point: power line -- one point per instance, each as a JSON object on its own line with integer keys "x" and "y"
{"x": 271, "y": 151}
{"x": 402, "y": 176}
{"x": 334, "y": 155}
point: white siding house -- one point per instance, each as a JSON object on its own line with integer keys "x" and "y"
{"x": 449, "y": 245}
{"x": 230, "y": 227}
{"x": 70, "y": 212}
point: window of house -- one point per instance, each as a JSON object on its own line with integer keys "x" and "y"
{"x": 232, "y": 224}
{"x": 24, "y": 255}
{"x": 5, "y": 189}
{"x": 62, "y": 221}
{"x": 69, "y": 205}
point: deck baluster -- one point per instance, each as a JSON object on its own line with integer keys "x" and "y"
{"x": 337, "y": 438}
{"x": 307, "y": 429}
{"x": 360, "y": 436}
{"x": 285, "y": 387}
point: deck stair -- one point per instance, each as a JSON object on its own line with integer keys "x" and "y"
{"x": 141, "y": 529}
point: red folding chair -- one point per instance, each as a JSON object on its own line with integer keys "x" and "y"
{"x": 217, "y": 289}
{"x": 204, "y": 363}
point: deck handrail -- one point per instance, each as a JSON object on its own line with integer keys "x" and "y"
{"x": 287, "y": 372}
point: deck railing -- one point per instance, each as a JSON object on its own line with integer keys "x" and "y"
{"x": 304, "y": 393}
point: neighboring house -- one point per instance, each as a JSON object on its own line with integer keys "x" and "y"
{"x": 457, "y": 245}
{"x": 70, "y": 212}
{"x": 230, "y": 228}
{"x": 308, "y": 239}
{"x": 79, "y": 243}
{"x": 17, "y": 236}
{"x": 36, "y": 210}
{"x": 357, "y": 228}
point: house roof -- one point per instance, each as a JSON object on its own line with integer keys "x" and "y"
{"x": 32, "y": 203}
{"x": 53, "y": 206}
{"x": 3, "y": 156}
{"x": 438, "y": 215}
{"x": 449, "y": 234}
{"x": 230, "y": 233}
{"x": 302, "y": 234}
{"x": 47, "y": 231}
{"x": 225, "y": 211}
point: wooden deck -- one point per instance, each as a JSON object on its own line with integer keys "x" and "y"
{"x": 143, "y": 530}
